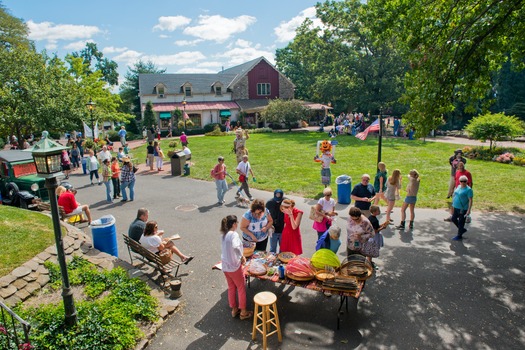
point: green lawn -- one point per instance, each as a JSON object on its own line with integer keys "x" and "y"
{"x": 285, "y": 160}
{"x": 23, "y": 234}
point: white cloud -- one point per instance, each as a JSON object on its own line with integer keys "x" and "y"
{"x": 179, "y": 59}
{"x": 164, "y": 36}
{"x": 188, "y": 42}
{"x": 113, "y": 49}
{"x": 128, "y": 56}
{"x": 51, "y": 32}
{"x": 211, "y": 64}
{"x": 170, "y": 23}
{"x": 285, "y": 32}
{"x": 77, "y": 45}
{"x": 241, "y": 55}
{"x": 244, "y": 43}
{"x": 219, "y": 29}
{"x": 51, "y": 45}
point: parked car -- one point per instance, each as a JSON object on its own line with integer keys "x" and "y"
{"x": 20, "y": 185}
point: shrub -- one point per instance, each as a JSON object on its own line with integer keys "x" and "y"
{"x": 89, "y": 144}
{"x": 113, "y": 135}
{"x": 109, "y": 322}
{"x": 212, "y": 126}
{"x": 2, "y": 143}
{"x": 216, "y": 131}
{"x": 504, "y": 158}
{"x": 189, "y": 124}
{"x": 519, "y": 161}
{"x": 173, "y": 144}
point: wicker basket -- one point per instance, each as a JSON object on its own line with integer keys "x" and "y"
{"x": 248, "y": 251}
{"x": 285, "y": 257}
{"x": 358, "y": 267}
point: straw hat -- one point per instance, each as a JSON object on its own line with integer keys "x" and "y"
{"x": 125, "y": 159}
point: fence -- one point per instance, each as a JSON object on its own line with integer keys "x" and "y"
{"x": 14, "y": 331}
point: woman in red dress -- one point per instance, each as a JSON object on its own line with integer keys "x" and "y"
{"x": 291, "y": 236}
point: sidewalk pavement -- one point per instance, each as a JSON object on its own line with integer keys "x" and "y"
{"x": 429, "y": 291}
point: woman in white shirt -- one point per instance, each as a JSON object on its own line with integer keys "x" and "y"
{"x": 232, "y": 260}
{"x": 152, "y": 241}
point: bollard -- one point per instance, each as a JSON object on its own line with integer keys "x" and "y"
{"x": 175, "y": 289}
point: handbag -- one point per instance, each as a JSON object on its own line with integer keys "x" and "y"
{"x": 242, "y": 178}
{"x": 314, "y": 215}
{"x": 135, "y": 169}
{"x": 370, "y": 248}
{"x": 165, "y": 256}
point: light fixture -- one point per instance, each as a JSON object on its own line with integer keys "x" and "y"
{"x": 48, "y": 156}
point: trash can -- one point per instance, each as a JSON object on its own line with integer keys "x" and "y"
{"x": 178, "y": 160}
{"x": 84, "y": 165}
{"x": 344, "y": 184}
{"x": 104, "y": 234}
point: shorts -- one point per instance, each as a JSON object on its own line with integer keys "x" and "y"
{"x": 76, "y": 211}
{"x": 326, "y": 176}
{"x": 66, "y": 167}
{"x": 410, "y": 199}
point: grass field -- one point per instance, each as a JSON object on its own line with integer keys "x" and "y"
{"x": 23, "y": 234}
{"x": 285, "y": 160}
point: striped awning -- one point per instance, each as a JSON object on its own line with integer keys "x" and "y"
{"x": 193, "y": 106}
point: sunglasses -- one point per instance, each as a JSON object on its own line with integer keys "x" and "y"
{"x": 463, "y": 181}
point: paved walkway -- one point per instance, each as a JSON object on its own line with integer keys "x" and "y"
{"x": 429, "y": 292}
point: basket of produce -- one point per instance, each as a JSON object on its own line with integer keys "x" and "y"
{"x": 325, "y": 257}
{"x": 257, "y": 268}
{"x": 323, "y": 275}
{"x": 248, "y": 249}
{"x": 285, "y": 257}
{"x": 299, "y": 269}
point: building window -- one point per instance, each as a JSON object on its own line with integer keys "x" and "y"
{"x": 218, "y": 91}
{"x": 263, "y": 89}
{"x": 160, "y": 91}
{"x": 196, "y": 119}
{"x": 187, "y": 91}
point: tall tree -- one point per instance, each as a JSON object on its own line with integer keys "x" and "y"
{"x": 13, "y": 31}
{"x": 452, "y": 47}
{"x": 95, "y": 61}
{"x": 129, "y": 90}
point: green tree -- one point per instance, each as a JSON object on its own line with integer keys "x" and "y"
{"x": 95, "y": 61}
{"x": 288, "y": 112}
{"x": 494, "y": 127}
{"x": 13, "y": 31}
{"x": 149, "y": 117}
{"x": 453, "y": 47}
{"x": 129, "y": 90}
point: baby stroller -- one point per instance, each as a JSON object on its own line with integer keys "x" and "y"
{"x": 242, "y": 201}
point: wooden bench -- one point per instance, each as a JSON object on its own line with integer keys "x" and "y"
{"x": 74, "y": 220}
{"x": 150, "y": 258}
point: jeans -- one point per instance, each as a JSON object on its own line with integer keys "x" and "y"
{"x": 91, "y": 173}
{"x": 109, "y": 189}
{"x": 274, "y": 239}
{"x": 222, "y": 187}
{"x": 116, "y": 187}
{"x": 131, "y": 186}
{"x": 458, "y": 218}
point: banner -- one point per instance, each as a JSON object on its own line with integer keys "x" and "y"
{"x": 186, "y": 116}
{"x": 87, "y": 131}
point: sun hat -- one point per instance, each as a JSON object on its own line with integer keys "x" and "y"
{"x": 125, "y": 159}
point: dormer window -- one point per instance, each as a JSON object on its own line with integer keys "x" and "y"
{"x": 218, "y": 90}
{"x": 187, "y": 91}
{"x": 161, "y": 91}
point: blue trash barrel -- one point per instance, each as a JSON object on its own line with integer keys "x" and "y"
{"x": 344, "y": 184}
{"x": 84, "y": 165}
{"x": 104, "y": 234}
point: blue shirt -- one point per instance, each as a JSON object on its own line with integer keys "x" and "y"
{"x": 461, "y": 197}
{"x": 256, "y": 225}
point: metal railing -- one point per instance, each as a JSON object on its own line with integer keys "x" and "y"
{"x": 14, "y": 331}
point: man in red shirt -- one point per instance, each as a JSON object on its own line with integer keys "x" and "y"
{"x": 66, "y": 199}
{"x": 460, "y": 171}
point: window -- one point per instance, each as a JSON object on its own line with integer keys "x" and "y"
{"x": 218, "y": 91}
{"x": 187, "y": 91}
{"x": 160, "y": 91}
{"x": 196, "y": 119}
{"x": 263, "y": 89}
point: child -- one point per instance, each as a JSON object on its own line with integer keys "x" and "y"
{"x": 380, "y": 182}
{"x": 330, "y": 239}
{"x": 378, "y": 237}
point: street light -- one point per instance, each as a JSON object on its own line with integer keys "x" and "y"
{"x": 48, "y": 155}
{"x": 184, "y": 113}
{"x": 379, "y": 145}
{"x": 91, "y": 107}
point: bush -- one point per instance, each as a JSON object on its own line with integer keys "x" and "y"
{"x": 504, "y": 158}
{"x": 89, "y": 144}
{"x": 113, "y": 135}
{"x": 211, "y": 127}
{"x": 109, "y": 322}
{"x": 216, "y": 132}
{"x": 519, "y": 161}
{"x": 173, "y": 144}
{"x": 2, "y": 143}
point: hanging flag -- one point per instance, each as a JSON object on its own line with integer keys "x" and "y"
{"x": 186, "y": 116}
{"x": 96, "y": 130}
{"x": 373, "y": 127}
{"x": 87, "y": 131}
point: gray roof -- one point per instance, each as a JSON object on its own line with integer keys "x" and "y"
{"x": 248, "y": 105}
{"x": 13, "y": 156}
{"x": 201, "y": 83}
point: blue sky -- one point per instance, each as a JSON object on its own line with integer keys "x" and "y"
{"x": 180, "y": 36}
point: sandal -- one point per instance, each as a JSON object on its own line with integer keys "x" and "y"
{"x": 235, "y": 313}
{"x": 246, "y": 316}
{"x": 187, "y": 260}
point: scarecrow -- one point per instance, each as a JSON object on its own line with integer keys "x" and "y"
{"x": 325, "y": 156}
{"x": 239, "y": 144}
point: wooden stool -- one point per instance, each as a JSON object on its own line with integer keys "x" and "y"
{"x": 268, "y": 316}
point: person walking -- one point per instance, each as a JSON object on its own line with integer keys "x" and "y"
{"x": 393, "y": 185}
{"x": 150, "y": 155}
{"x": 243, "y": 168}
{"x": 363, "y": 194}
{"x": 122, "y": 134}
{"x": 232, "y": 260}
{"x": 410, "y": 199}
{"x": 462, "y": 204}
{"x": 157, "y": 152}
{"x": 127, "y": 179}
{"x": 454, "y": 161}
{"x": 219, "y": 174}
{"x": 274, "y": 207}
{"x": 66, "y": 163}
{"x": 183, "y": 139}
{"x": 92, "y": 166}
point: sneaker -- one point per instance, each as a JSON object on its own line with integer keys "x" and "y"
{"x": 100, "y": 183}
{"x": 223, "y": 201}
{"x": 449, "y": 219}
{"x": 457, "y": 238}
{"x": 123, "y": 200}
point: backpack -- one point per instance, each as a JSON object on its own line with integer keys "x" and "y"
{"x": 212, "y": 173}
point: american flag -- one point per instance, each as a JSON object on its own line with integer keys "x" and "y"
{"x": 373, "y": 127}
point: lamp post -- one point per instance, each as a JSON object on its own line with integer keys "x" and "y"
{"x": 47, "y": 155}
{"x": 184, "y": 112}
{"x": 379, "y": 144}
{"x": 91, "y": 107}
